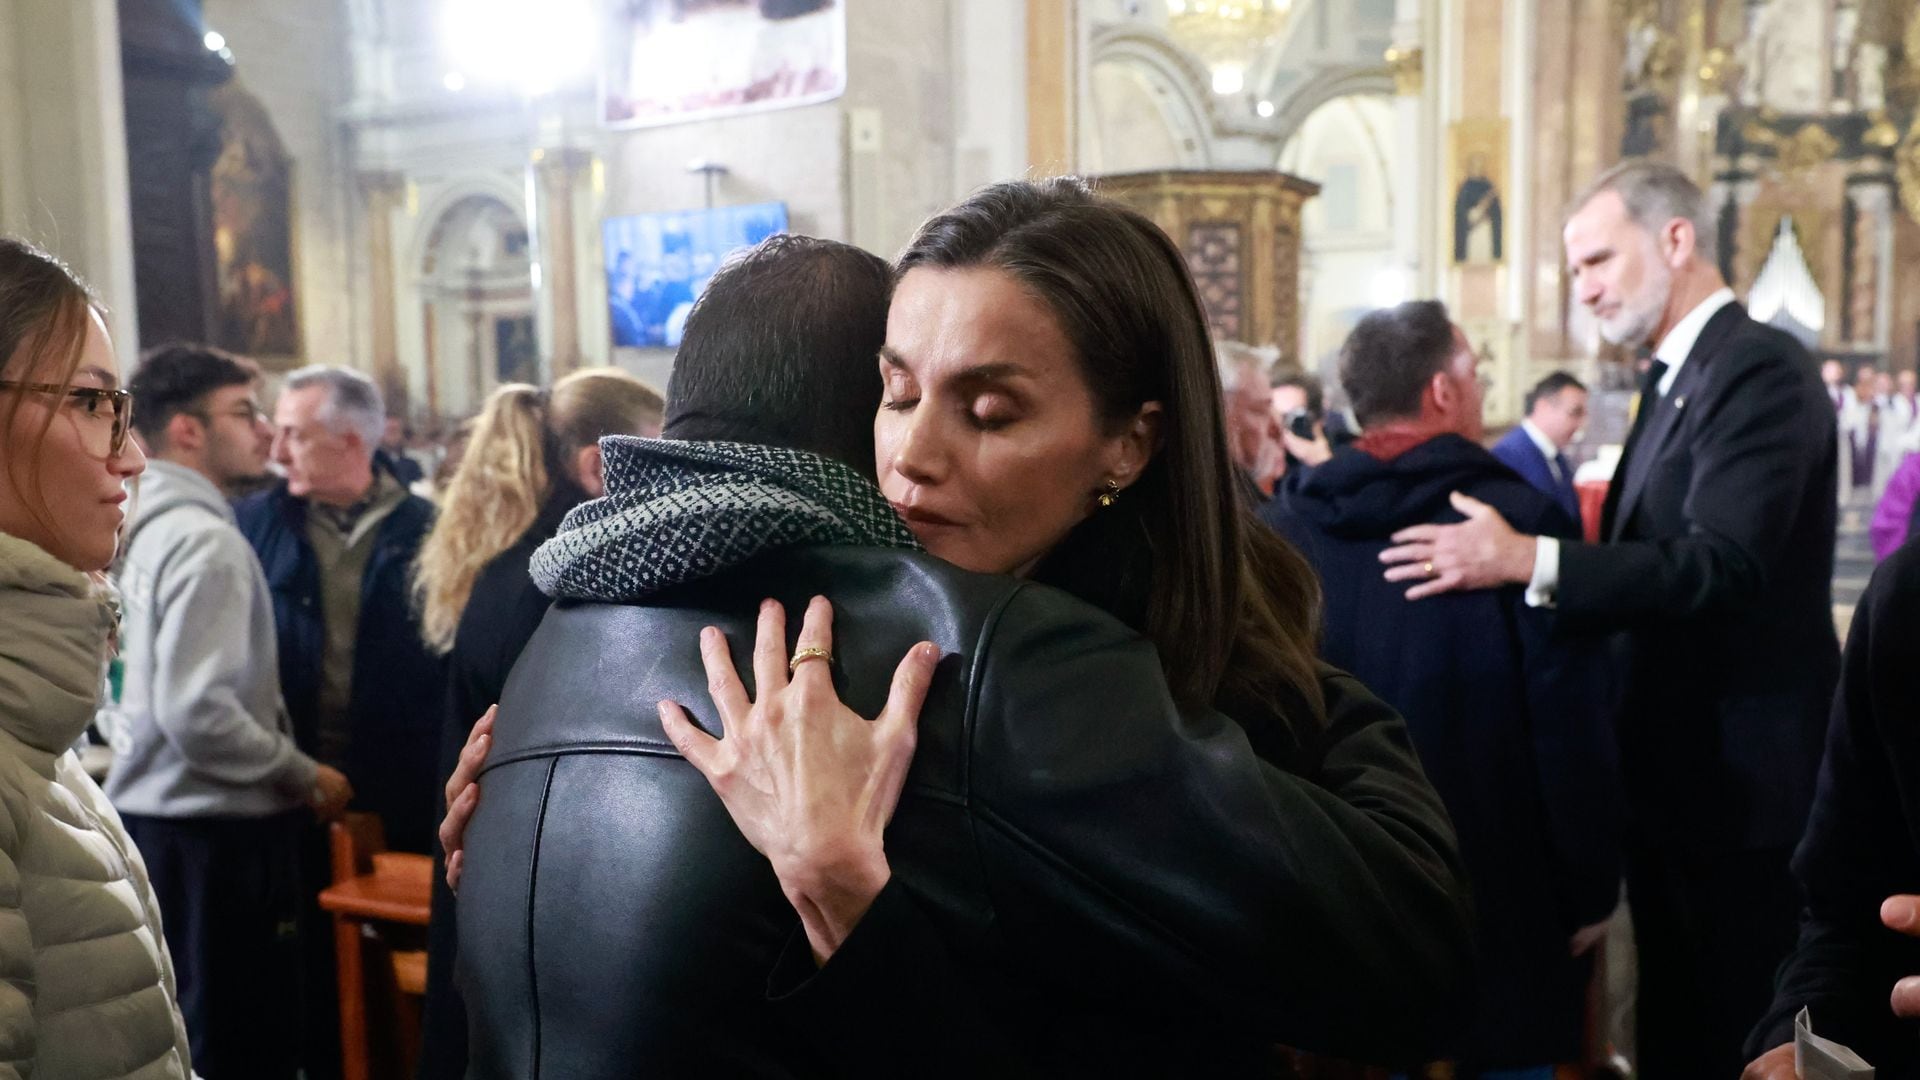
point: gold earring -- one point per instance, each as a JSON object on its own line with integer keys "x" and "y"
{"x": 1111, "y": 495}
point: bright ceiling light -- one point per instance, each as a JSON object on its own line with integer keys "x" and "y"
{"x": 1265, "y": 109}
{"x": 537, "y": 45}
{"x": 1229, "y": 78}
{"x": 1388, "y": 287}
{"x": 214, "y": 41}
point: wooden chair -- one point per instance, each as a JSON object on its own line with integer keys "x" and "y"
{"x": 379, "y": 901}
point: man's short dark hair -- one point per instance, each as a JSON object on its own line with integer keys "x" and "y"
{"x": 1390, "y": 356}
{"x": 782, "y": 349}
{"x": 174, "y": 379}
{"x": 1316, "y": 394}
{"x": 1551, "y": 386}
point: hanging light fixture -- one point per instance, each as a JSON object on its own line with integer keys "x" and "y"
{"x": 1227, "y": 34}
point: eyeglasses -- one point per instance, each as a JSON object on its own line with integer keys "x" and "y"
{"x": 119, "y": 404}
{"x": 248, "y": 412}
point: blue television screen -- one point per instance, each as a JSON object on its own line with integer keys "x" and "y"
{"x": 658, "y": 264}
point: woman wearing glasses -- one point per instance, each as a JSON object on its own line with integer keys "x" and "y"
{"x": 86, "y": 987}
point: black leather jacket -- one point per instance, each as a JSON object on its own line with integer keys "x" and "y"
{"x": 1117, "y": 885}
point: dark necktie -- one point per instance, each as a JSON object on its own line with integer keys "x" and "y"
{"x": 1649, "y": 397}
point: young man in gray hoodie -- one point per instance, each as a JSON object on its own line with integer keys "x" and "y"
{"x": 206, "y": 774}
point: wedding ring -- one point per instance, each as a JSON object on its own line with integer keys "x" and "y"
{"x": 801, "y": 656}
{"x": 1429, "y": 569}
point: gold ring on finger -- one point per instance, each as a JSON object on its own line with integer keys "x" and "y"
{"x": 1429, "y": 569}
{"x": 801, "y": 656}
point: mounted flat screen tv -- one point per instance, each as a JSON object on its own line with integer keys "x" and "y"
{"x": 658, "y": 264}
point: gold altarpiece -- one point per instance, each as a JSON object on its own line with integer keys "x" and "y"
{"x": 1240, "y": 232}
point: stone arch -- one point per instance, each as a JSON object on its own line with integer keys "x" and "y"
{"x": 1174, "y": 82}
{"x": 470, "y": 277}
{"x": 1330, "y": 84}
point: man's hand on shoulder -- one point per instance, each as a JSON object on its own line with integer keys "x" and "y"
{"x": 1482, "y": 552}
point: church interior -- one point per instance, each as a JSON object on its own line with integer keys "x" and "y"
{"x": 451, "y": 196}
{"x": 427, "y": 190}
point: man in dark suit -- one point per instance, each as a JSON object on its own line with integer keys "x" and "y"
{"x": 1512, "y": 721}
{"x": 1716, "y": 568}
{"x": 1537, "y": 448}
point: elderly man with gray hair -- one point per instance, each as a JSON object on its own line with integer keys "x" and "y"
{"x": 337, "y": 538}
{"x": 1715, "y": 568}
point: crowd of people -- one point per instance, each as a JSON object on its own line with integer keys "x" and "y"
{"x": 967, "y": 667}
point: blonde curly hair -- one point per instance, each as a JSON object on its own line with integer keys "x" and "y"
{"x": 521, "y": 439}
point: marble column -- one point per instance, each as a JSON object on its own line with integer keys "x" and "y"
{"x": 63, "y": 146}
{"x": 1415, "y": 132}
{"x": 1872, "y": 299}
{"x": 1053, "y": 82}
{"x": 384, "y": 196}
{"x": 560, "y": 184}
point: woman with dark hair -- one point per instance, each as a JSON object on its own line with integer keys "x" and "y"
{"x": 86, "y": 987}
{"x": 1051, "y": 410}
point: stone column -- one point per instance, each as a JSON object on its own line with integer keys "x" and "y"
{"x": 384, "y": 195}
{"x": 1053, "y": 35}
{"x": 1872, "y": 299}
{"x": 1414, "y": 132}
{"x": 559, "y": 186}
{"x": 63, "y": 146}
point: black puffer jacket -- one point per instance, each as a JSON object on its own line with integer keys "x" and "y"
{"x": 1092, "y": 881}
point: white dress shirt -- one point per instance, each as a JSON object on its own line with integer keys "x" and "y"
{"x": 1546, "y": 448}
{"x": 1673, "y": 351}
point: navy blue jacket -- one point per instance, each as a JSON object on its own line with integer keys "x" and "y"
{"x": 1520, "y": 454}
{"x": 1511, "y": 721}
{"x": 399, "y": 688}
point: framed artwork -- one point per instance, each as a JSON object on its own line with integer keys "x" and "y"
{"x": 659, "y": 264}
{"x": 516, "y": 355}
{"x": 252, "y": 196}
{"x": 1479, "y": 171}
{"x": 666, "y": 61}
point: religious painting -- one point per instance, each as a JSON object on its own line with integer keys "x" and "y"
{"x": 516, "y": 353}
{"x": 252, "y": 195}
{"x": 659, "y": 264}
{"x": 667, "y": 61}
{"x": 1479, "y": 181}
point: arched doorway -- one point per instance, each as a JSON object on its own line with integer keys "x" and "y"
{"x": 476, "y": 282}
{"x": 1347, "y": 233}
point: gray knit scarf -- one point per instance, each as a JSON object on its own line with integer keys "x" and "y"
{"x": 678, "y": 511}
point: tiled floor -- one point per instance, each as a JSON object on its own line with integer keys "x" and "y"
{"x": 1852, "y": 565}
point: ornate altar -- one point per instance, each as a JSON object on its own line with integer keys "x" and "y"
{"x": 1241, "y": 235}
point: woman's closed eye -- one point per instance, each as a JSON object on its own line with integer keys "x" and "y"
{"x": 899, "y": 404}
{"x": 991, "y": 412}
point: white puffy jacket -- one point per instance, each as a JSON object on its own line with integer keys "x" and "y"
{"x": 86, "y": 988}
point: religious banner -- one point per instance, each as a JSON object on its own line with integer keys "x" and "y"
{"x": 668, "y": 61}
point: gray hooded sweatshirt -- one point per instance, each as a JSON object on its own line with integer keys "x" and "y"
{"x": 201, "y": 730}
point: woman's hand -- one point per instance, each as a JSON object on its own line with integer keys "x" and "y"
{"x": 463, "y": 795}
{"x": 809, "y": 783}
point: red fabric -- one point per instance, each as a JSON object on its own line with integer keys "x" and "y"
{"x": 1389, "y": 444}
{"x": 1593, "y": 500}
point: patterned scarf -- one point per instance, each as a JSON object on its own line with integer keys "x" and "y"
{"x": 679, "y": 511}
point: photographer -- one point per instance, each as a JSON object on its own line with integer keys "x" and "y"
{"x": 1309, "y": 433}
